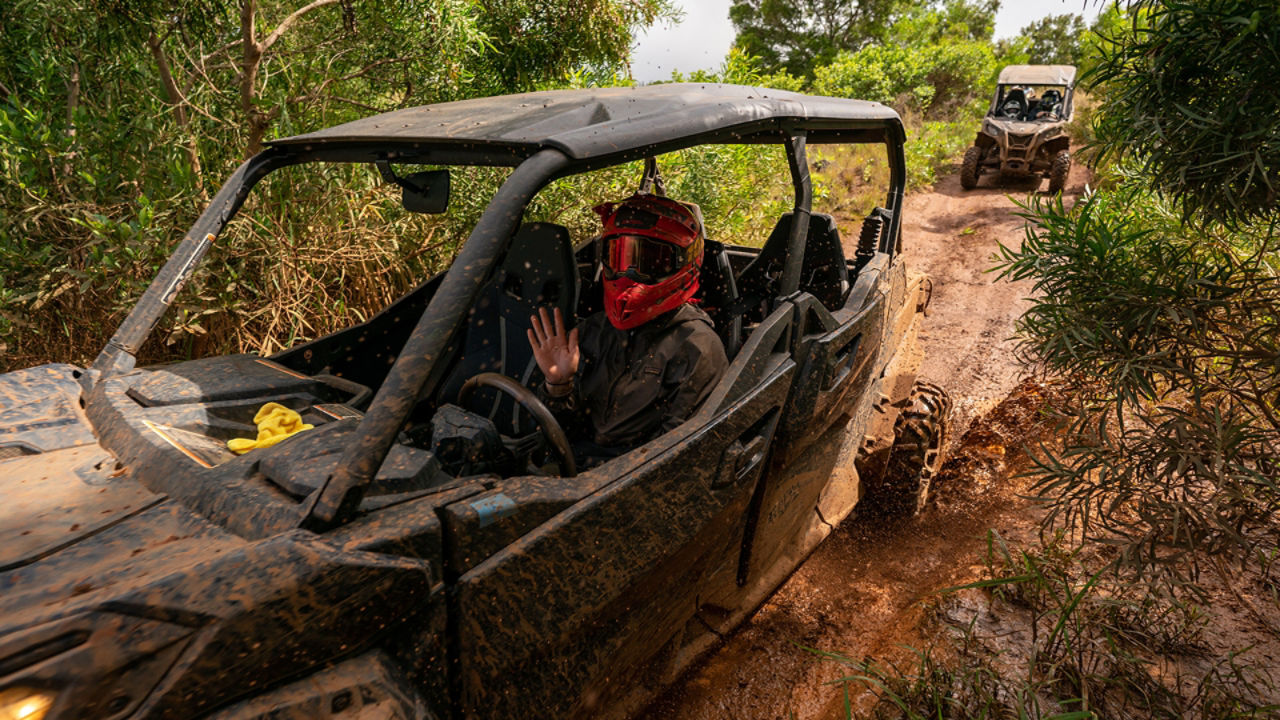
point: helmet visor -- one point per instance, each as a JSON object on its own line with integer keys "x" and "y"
{"x": 641, "y": 258}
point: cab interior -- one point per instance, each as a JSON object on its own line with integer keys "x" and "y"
{"x": 331, "y": 380}
{"x": 545, "y": 265}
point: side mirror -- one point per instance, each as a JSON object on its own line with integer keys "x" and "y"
{"x": 420, "y": 192}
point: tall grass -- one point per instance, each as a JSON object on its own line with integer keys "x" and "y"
{"x": 315, "y": 248}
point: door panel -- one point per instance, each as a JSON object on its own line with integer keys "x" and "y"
{"x": 812, "y": 483}
{"x": 836, "y": 368}
{"x": 839, "y": 354}
{"x": 566, "y": 619}
{"x": 788, "y": 525}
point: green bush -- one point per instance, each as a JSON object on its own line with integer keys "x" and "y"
{"x": 880, "y": 73}
{"x": 1168, "y": 338}
{"x": 1188, "y": 91}
{"x": 934, "y": 145}
{"x": 934, "y": 78}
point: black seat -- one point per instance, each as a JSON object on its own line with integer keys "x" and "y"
{"x": 1014, "y": 105}
{"x": 538, "y": 271}
{"x": 823, "y": 273}
{"x": 718, "y": 295}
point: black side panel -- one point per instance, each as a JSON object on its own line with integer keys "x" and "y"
{"x": 566, "y": 618}
{"x": 813, "y": 463}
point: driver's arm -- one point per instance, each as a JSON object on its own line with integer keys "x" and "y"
{"x": 694, "y": 374}
{"x": 566, "y": 406}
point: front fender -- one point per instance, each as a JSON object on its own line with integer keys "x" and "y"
{"x": 40, "y": 411}
{"x": 1056, "y": 145}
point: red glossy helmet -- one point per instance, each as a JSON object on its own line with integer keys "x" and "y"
{"x": 652, "y": 256}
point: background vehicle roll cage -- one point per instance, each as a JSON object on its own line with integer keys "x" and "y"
{"x": 408, "y": 378}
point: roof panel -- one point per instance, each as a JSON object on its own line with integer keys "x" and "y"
{"x": 594, "y": 122}
{"x": 1037, "y": 75}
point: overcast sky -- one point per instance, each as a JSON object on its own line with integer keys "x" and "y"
{"x": 702, "y": 39}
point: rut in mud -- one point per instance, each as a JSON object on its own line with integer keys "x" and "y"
{"x": 864, "y": 592}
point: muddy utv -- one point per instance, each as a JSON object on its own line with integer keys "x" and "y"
{"x": 1024, "y": 133}
{"x": 429, "y": 549}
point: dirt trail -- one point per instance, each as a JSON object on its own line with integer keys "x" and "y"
{"x": 865, "y": 590}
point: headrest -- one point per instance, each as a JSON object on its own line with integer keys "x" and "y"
{"x": 539, "y": 269}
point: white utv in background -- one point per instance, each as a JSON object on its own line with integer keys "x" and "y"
{"x": 1024, "y": 133}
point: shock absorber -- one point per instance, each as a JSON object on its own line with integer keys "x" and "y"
{"x": 868, "y": 239}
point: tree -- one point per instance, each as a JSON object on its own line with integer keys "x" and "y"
{"x": 1056, "y": 40}
{"x": 112, "y": 112}
{"x": 924, "y": 78}
{"x": 932, "y": 58}
{"x": 800, "y": 35}
{"x": 964, "y": 19}
{"x": 533, "y": 41}
{"x": 207, "y": 57}
{"x": 1190, "y": 93}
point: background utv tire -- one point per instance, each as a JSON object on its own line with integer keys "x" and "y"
{"x": 916, "y": 455}
{"x": 969, "y": 168}
{"x": 1058, "y": 171}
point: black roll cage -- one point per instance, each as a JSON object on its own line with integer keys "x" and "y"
{"x": 406, "y": 381}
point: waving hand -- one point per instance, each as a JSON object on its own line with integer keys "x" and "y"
{"x": 555, "y": 350}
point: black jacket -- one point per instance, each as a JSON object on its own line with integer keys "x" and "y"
{"x": 633, "y": 385}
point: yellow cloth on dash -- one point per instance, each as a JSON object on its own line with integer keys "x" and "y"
{"x": 275, "y": 422}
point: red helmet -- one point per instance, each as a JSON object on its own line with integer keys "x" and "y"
{"x": 652, "y": 255}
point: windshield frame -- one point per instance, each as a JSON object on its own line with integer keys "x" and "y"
{"x": 1001, "y": 89}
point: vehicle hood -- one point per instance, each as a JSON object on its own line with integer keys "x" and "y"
{"x": 82, "y": 547}
{"x": 59, "y": 485}
{"x": 1018, "y": 127}
{"x": 55, "y": 499}
{"x": 119, "y": 600}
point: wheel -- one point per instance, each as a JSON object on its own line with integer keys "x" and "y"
{"x": 1058, "y": 171}
{"x": 548, "y": 430}
{"x": 969, "y": 168}
{"x": 916, "y": 455}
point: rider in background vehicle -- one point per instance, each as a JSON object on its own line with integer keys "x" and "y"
{"x": 651, "y": 357}
{"x": 1050, "y": 105}
{"x": 1015, "y": 103}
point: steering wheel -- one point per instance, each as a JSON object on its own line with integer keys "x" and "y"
{"x": 548, "y": 427}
